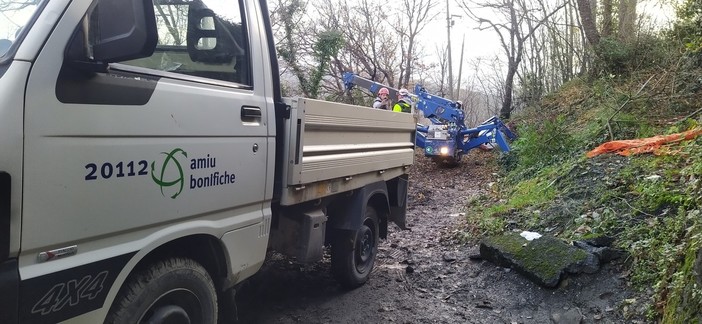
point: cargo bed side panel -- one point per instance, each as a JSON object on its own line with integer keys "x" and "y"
{"x": 342, "y": 147}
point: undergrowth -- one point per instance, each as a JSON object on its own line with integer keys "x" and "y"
{"x": 651, "y": 204}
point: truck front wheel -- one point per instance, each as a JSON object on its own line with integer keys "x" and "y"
{"x": 175, "y": 290}
{"x": 353, "y": 252}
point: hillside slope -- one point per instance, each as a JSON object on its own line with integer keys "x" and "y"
{"x": 649, "y": 203}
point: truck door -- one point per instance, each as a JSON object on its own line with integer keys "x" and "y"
{"x": 130, "y": 151}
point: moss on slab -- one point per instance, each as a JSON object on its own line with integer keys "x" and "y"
{"x": 549, "y": 256}
{"x": 511, "y": 242}
{"x": 501, "y": 249}
{"x": 543, "y": 260}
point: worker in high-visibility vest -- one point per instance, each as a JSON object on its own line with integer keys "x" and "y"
{"x": 404, "y": 103}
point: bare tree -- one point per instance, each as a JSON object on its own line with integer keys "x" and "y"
{"x": 17, "y": 4}
{"x": 412, "y": 20}
{"x": 588, "y": 20}
{"x": 367, "y": 49}
{"x": 627, "y": 19}
{"x": 175, "y": 21}
{"x": 380, "y": 41}
{"x": 624, "y": 22}
{"x": 490, "y": 82}
{"x": 607, "y": 16}
{"x": 434, "y": 79}
{"x": 474, "y": 101}
{"x": 552, "y": 55}
{"x": 513, "y": 32}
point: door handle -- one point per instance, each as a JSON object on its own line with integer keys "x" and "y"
{"x": 250, "y": 112}
{"x": 250, "y": 115}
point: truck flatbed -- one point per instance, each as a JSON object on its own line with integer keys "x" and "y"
{"x": 338, "y": 147}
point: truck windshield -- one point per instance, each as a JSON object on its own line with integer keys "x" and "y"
{"x": 14, "y": 15}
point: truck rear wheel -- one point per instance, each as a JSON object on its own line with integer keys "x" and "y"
{"x": 175, "y": 290}
{"x": 353, "y": 252}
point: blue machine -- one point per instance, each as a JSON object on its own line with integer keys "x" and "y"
{"x": 447, "y": 138}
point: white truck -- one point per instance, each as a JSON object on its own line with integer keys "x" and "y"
{"x": 148, "y": 162}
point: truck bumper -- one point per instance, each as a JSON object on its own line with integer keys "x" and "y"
{"x": 9, "y": 288}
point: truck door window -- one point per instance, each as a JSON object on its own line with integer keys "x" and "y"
{"x": 202, "y": 38}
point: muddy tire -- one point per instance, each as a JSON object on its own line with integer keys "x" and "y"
{"x": 175, "y": 290}
{"x": 448, "y": 162}
{"x": 353, "y": 252}
{"x": 452, "y": 162}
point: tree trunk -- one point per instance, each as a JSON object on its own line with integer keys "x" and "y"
{"x": 607, "y": 18}
{"x": 506, "y": 110}
{"x": 587, "y": 18}
{"x": 408, "y": 61}
{"x": 627, "y": 19}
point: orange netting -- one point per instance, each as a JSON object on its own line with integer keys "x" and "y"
{"x": 653, "y": 144}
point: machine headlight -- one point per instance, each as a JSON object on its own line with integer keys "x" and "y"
{"x": 444, "y": 150}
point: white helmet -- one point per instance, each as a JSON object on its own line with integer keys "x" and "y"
{"x": 403, "y": 93}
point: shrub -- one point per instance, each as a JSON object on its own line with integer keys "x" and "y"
{"x": 543, "y": 145}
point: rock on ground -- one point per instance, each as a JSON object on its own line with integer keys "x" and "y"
{"x": 544, "y": 260}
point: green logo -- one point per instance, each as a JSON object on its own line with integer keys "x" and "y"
{"x": 168, "y": 164}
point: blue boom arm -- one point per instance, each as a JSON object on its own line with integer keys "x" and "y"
{"x": 351, "y": 80}
{"x": 490, "y": 129}
{"x": 439, "y": 110}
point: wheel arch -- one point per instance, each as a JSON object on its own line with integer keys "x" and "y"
{"x": 379, "y": 201}
{"x": 204, "y": 249}
{"x": 346, "y": 212}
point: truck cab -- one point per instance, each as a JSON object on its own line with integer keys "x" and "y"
{"x": 111, "y": 134}
{"x": 147, "y": 157}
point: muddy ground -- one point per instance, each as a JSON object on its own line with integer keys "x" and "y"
{"x": 424, "y": 275}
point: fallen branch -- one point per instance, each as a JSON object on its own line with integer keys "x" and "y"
{"x": 616, "y": 112}
{"x": 635, "y": 209}
{"x": 692, "y": 114}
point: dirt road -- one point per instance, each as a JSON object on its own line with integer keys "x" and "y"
{"x": 423, "y": 275}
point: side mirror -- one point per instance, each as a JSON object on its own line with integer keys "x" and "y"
{"x": 210, "y": 39}
{"x": 117, "y": 31}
